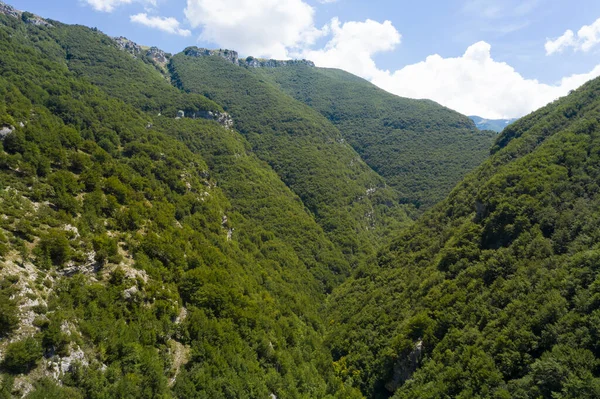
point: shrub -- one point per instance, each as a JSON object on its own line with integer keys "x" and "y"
{"x": 21, "y": 356}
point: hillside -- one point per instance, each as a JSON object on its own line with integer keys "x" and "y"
{"x": 202, "y": 226}
{"x": 143, "y": 255}
{"x": 349, "y": 200}
{"x": 421, "y": 148}
{"x": 494, "y": 292}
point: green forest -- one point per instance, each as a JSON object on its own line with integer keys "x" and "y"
{"x": 212, "y": 230}
{"x": 419, "y": 147}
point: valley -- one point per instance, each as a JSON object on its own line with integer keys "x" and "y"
{"x": 202, "y": 225}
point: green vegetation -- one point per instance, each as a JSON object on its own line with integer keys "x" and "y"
{"x": 499, "y": 282}
{"x": 139, "y": 264}
{"x": 21, "y": 356}
{"x": 351, "y": 202}
{"x": 421, "y": 148}
{"x": 144, "y": 256}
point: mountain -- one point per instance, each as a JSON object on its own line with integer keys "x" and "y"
{"x": 203, "y": 226}
{"x": 496, "y": 125}
{"x": 494, "y": 292}
{"x": 145, "y": 255}
{"x": 349, "y": 200}
{"x": 421, "y": 148}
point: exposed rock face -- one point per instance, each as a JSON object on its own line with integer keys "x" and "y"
{"x": 127, "y": 45}
{"x": 9, "y": 10}
{"x": 158, "y": 56}
{"x": 38, "y": 21}
{"x": 60, "y": 365}
{"x": 5, "y": 131}
{"x": 28, "y": 18}
{"x": 221, "y": 117}
{"x": 250, "y": 62}
{"x": 405, "y": 367}
{"x": 229, "y": 55}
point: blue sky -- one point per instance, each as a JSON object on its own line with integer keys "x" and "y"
{"x": 493, "y": 58}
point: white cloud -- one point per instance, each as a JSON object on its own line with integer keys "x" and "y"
{"x": 476, "y": 84}
{"x": 353, "y": 45}
{"x": 110, "y": 5}
{"x": 107, "y": 5}
{"x": 262, "y": 28}
{"x": 169, "y": 25}
{"x": 589, "y": 35}
{"x": 560, "y": 43}
{"x": 587, "y": 38}
{"x": 473, "y": 83}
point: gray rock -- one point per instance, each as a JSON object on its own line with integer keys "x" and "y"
{"x": 5, "y": 131}
{"x": 250, "y": 62}
{"x": 130, "y": 292}
{"x": 38, "y": 21}
{"x": 158, "y": 56}
{"x": 229, "y": 55}
{"x": 9, "y": 10}
{"x": 223, "y": 118}
{"x": 405, "y": 367}
{"x": 29, "y": 18}
{"x": 127, "y": 45}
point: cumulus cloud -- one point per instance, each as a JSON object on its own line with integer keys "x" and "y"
{"x": 107, "y": 5}
{"x": 110, "y": 5}
{"x": 263, "y": 28}
{"x": 476, "y": 84}
{"x": 169, "y": 25}
{"x": 587, "y": 38}
{"x": 353, "y": 44}
{"x": 559, "y": 44}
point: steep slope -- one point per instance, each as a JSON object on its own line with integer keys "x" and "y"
{"x": 133, "y": 262}
{"x": 255, "y": 189}
{"x": 493, "y": 293}
{"x": 350, "y": 201}
{"x": 421, "y": 148}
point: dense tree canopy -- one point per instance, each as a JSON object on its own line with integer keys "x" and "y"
{"x": 144, "y": 255}
{"x": 421, "y": 148}
{"x": 160, "y": 255}
{"x": 498, "y": 283}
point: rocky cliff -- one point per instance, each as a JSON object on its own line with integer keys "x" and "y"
{"x": 27, "y": 17}
{"x": 249, "y": 62}
{"x": 154, "y": 54}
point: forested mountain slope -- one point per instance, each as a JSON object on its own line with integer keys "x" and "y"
{"x": 186, "y": 227}
{"x": 143, "y": 255}
{"x": 421, "y": 148}
{"x": 351, "y": 202}
{"x": 494, "y": 292}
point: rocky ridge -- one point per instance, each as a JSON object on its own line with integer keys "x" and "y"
{"x": 156, "y": 55}
{"x": 25, "y": 16}
{"x": 249, "y": 62}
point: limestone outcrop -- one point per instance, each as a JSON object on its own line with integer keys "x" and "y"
{"x": 249, "y": 62}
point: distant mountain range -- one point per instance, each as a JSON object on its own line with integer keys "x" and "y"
{"x": 497, "y": 125}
